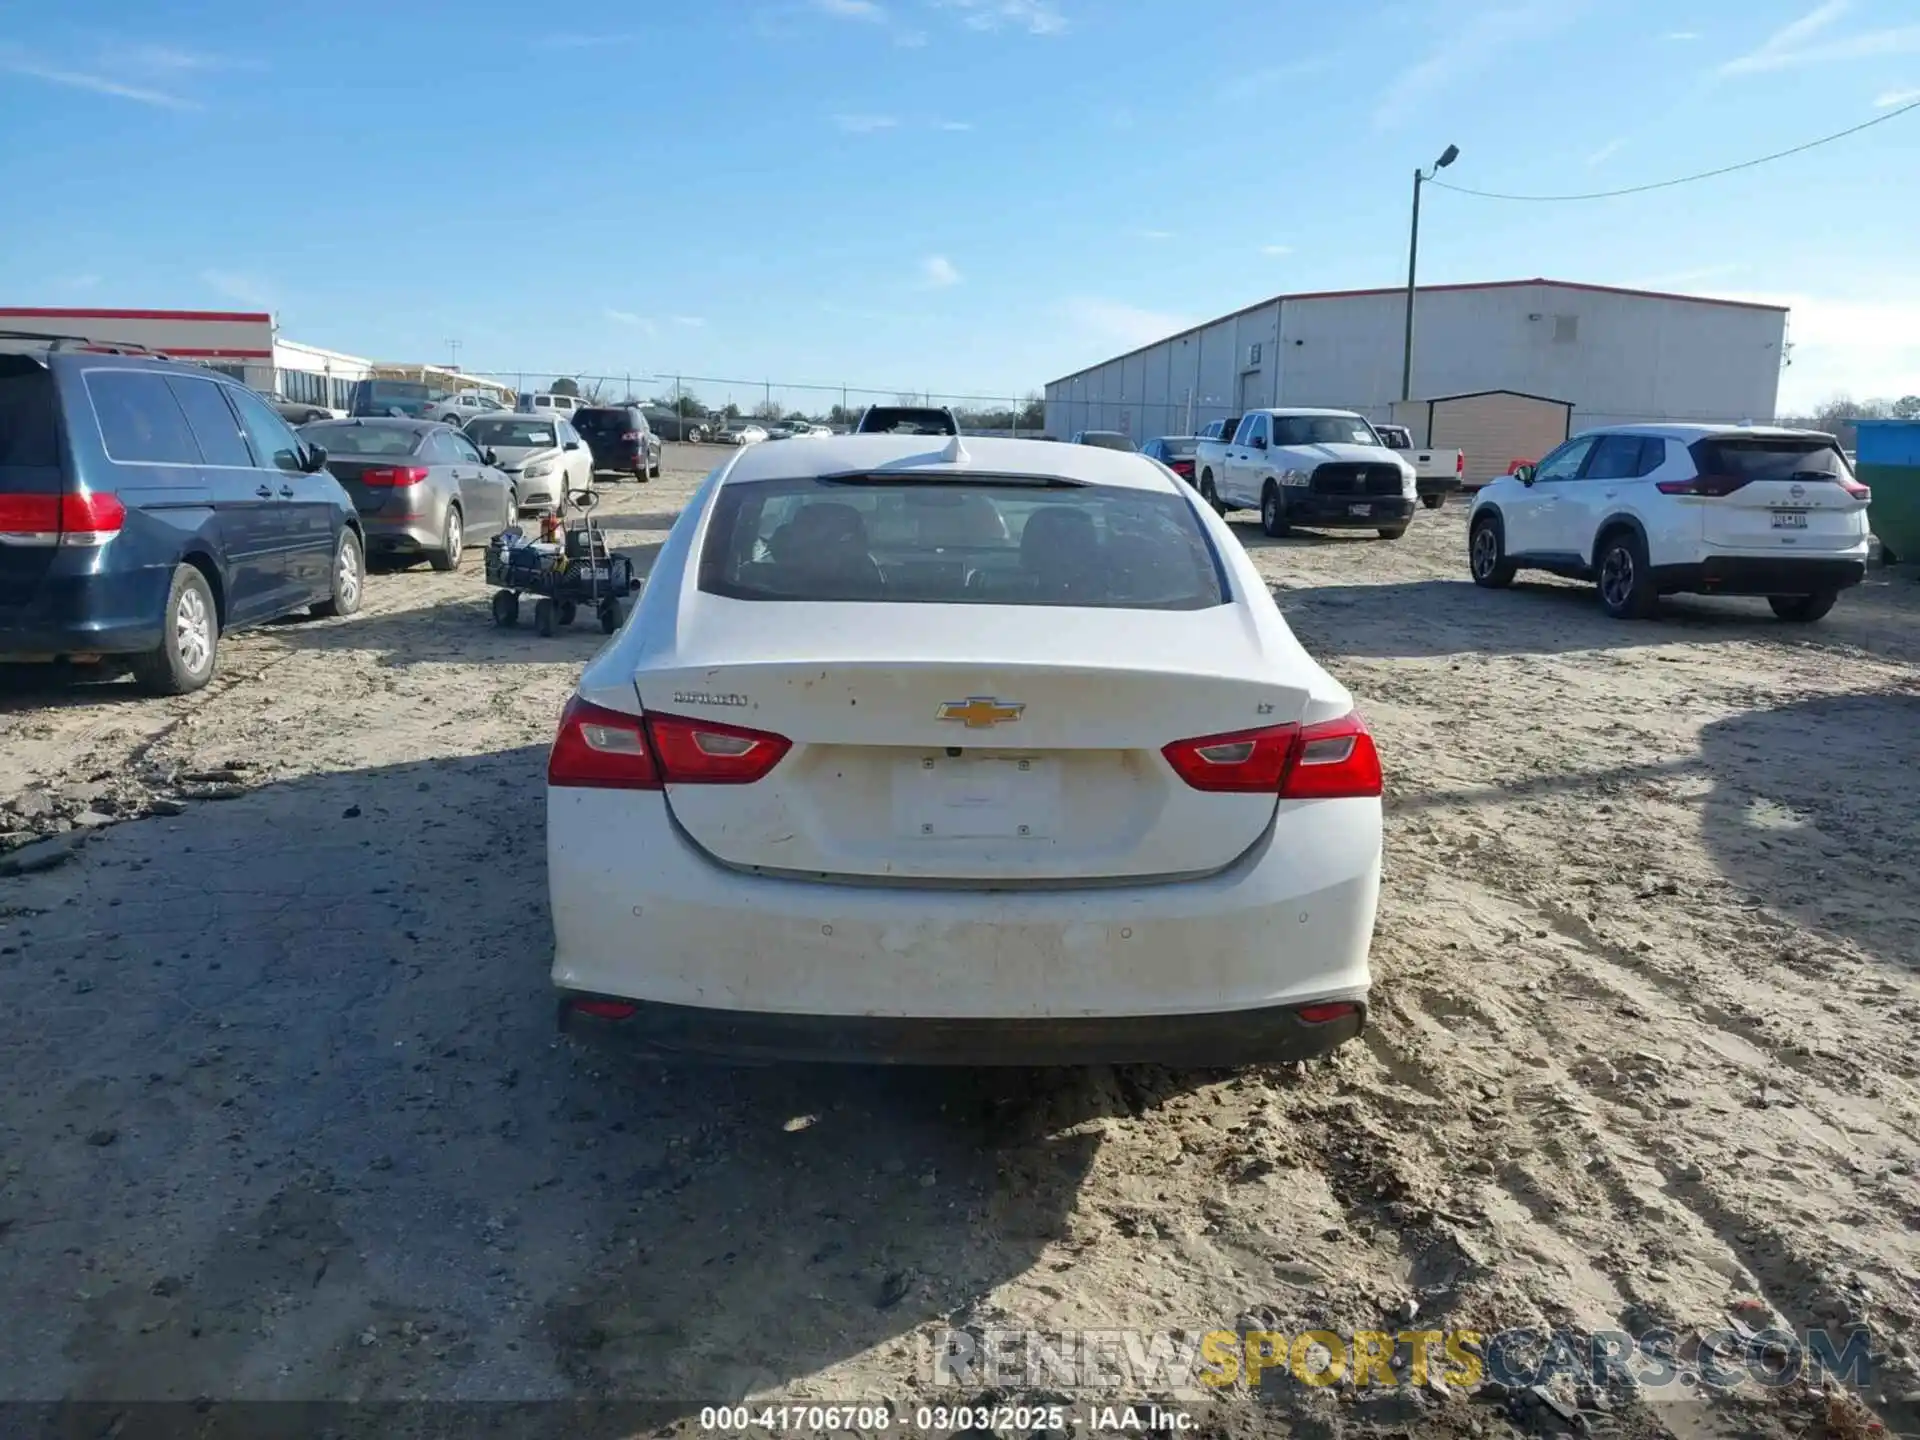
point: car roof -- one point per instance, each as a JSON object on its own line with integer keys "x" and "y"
{"x": 1288, "y": 411}
{"x": 984, "y": 457}
{"x": 539, "y": 415}
{"x": 1672, "y": 430}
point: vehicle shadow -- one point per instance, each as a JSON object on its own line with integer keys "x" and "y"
{"x": 1430, "y": 618}
{"x": 294, "y": 1095}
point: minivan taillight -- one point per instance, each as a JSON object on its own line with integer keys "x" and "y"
{"x": 1711, "y": 486}
{"x": 394, "y": 475}
{"x": 598, "y": 748}
{"x": 1334, "y": 759}
{"x": 84, "y": 519}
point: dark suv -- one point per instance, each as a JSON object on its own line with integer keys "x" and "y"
{"x": 619, "y": 439}
{"x": 148, "y": 506}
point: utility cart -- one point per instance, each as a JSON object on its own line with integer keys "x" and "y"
{"x": 569, "y": 570}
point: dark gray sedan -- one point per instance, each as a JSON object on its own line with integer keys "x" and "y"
{"x": 422, "y": 488}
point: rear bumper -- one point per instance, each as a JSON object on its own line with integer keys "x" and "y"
{"x": 1437, "y": 485}
{"x": 1271, "y": 1035}
{"x": 622, "y": 461}
{"x": 108, "y": 612}
{"x": 1335, "y": 512}
{"x": 386, "y": 536}
{"x": 752, "y": 964}
{"x": 1761, "y": 575}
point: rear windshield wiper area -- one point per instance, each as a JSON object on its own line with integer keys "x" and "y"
{"x": 934, "y": 477}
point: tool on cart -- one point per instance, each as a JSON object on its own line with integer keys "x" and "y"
{"x": 566, "y": 569}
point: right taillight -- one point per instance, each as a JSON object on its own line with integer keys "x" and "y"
{"x": 1854, "y": 488}
{"x": 1334, "y": 759}
{"x": 603, "y": 749}
{"x": 1711, "y": 486}
{"x": 394, "y": 475}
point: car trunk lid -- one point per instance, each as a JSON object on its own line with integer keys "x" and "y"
{"x": 970, "y": 754}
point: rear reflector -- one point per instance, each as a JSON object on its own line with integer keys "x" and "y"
{"x": 603, "y": 749}
{"x": 1333, "y": 760}
{"x": 1321, "y": 1014}
{"x": 618, "y": 1009}
{"x": 1710, "y": 486}
{"x": 394, "y": 475}
{"x": 83, "y": 519}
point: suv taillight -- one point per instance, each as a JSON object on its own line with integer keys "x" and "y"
{"x": 1331, "y": 760}
{"x": 1711, "y": 486}
{"x": 84, "y": 519}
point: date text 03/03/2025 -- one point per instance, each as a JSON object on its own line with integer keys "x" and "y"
{"x": 936, "y": 1420}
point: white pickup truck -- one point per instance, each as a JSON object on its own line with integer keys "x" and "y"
{"x": 1437, "y": 473}
{"x": 1320, "y": 469}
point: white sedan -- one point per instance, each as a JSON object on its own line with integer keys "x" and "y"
{"x": 969, "y": 751}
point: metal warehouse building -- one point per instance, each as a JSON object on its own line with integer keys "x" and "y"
{"x": 1500, "y": 365}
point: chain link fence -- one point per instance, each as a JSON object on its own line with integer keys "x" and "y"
{"x": 776, "y": 400}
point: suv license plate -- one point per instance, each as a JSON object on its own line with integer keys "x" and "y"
{"x": 1789, "y": 519}
{"x": 1359, "y": 510}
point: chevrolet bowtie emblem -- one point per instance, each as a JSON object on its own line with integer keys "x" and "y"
{"x": 981, "y": 712}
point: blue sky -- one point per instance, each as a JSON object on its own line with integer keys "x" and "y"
{"x": 967, "y": 196}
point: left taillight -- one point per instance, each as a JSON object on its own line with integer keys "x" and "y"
{"x": 397, "y": 475}
{"x": 84, "y": 519}
{"x": 603, "y": 749}
{"x": 1334, "y": 759}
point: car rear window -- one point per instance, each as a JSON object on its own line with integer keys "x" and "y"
{"x": 600, "y": 422}
{"x": 1769, "y": 457}
{"x": 29, "y": 417}
{"x": 525, "y": 434}
{"x": 985, "y": 543}
{"x": 388, "y": 440}
{"x": 900, "y": 420}
{"x": 1107, "y": 440}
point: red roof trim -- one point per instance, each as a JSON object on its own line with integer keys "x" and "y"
{"x": 212, "y": 354}
{"x": 260, "y": 316}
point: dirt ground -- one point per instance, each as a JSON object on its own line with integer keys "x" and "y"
{"x": 283, "y": 1113}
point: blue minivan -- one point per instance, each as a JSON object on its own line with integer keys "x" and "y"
{"x": 148, "y": 506}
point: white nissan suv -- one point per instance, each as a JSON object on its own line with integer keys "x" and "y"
{"x": 1651, "y": 510}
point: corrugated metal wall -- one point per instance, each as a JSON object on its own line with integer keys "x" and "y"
{"x": 1618, "y": 357}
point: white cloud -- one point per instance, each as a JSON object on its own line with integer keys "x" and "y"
{"x": 865, "y": 10}
{"x": 864, "y": 124}
{"x": 1154, "y": 234}
{"x": 18, "y": 62}
{"x": 1806, "y": 41}
{"x": 1864, "y": 348}
{"x": 80, "y": 282}
{"x": 1606, "y": 152}
{"x": 247, "y": 289}
{"x": 1036, "y": 17}
{"x": 1681, "y": 35}
{"x": 627, "y": 317}
{"x": 956, "y": 125}
{"x": 1109, "y": 322}
{"x": 1894, "y": 99}
{"x": 939, "y": 272}
{"x": 692, "y": 322}
{"x": 585, "y": 40}
{"x": 1467, "y": 48}
{"x": 1276, "y": 250}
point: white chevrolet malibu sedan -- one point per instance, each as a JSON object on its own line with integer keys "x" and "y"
{"x": 960, "y": 751}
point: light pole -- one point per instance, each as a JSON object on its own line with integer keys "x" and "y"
{"x": 1447, "y": 157}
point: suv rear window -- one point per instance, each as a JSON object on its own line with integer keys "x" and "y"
{"x": 29, "y": 417}
{"x": 907, "y": 420}
{"x": 140, "y": 421}
{"x": 1769, "y": 457}
{"x": 983, "y": 543}
{"x": 600, "y": 420}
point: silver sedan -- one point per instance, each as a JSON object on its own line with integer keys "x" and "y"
{"x": 422, "y": 488}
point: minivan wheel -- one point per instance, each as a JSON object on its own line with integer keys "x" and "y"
{"x": 189, "y": 648}
{"x": 349, "y": 578}
{"x": 452, "y": 543}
